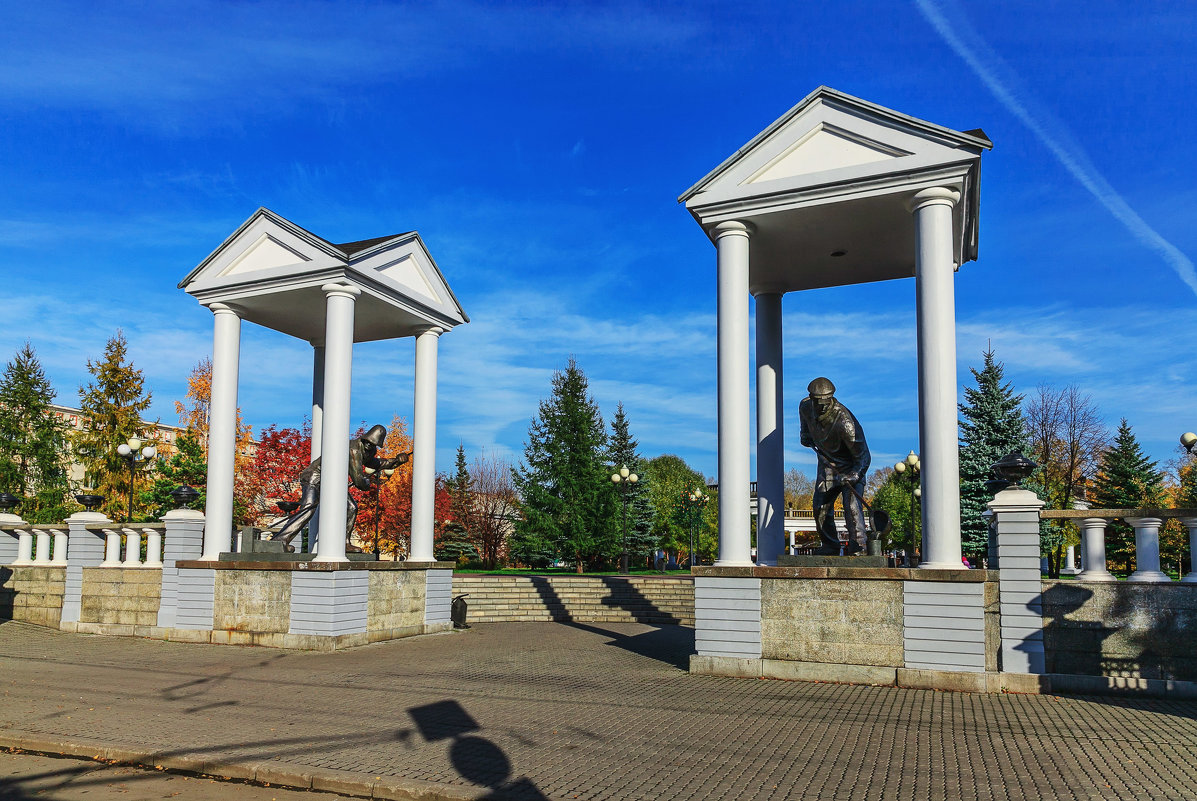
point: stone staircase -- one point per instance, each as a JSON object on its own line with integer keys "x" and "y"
{"x": 582, "y": 599}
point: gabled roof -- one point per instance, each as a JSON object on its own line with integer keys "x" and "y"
{"x": 270, "y": 270}
{"x": 813, "y": 142}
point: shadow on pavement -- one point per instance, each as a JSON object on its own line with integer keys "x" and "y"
{"x": 475, "y": 758}
{"x": 672, "y": 645}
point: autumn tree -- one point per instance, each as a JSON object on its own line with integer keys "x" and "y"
{"x": 1067, "y": 436}
{"x": 798, "y": 489}
{"x": 195, "y": 411}
{"x": 33, "y": 442}
{"x": 272, "y": 475}
{"x": 495, "y": 507}
{"x": 112, "y": 405}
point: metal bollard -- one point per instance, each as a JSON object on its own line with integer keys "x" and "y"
{"x": 457, "y": 612}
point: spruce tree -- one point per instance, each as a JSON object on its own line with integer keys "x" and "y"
{"x": 622, "y": 451}
{"x": 563, "y": 481}
{"x": 1126, "y": 479}
{"x": 112, "y": 405}
{"x": 33, "y": 445}
{"x": 992, "y": 426}
{"x": 461, "y": 496}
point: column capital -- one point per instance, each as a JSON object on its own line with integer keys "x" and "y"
{"x": 220, "y": 308}
{"x": 435, "y": 330}
{"x": 1144, "y": 522}
{"x": 733, "y": 228}
{"x": 1188, "y": 522}
{"x": 340, "y": 290}
{"x": 935, "y": 196}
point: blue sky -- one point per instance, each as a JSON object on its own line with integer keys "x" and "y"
{"x": 539, "y": 150}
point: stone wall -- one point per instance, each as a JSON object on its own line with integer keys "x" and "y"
{"x": 124, "y": 596}
{"x": 836, "y": 621}
{"x": 396, "y": 600}
{"x": 251, "y": 600}
{"x": 1120, "y": 629}
{"x": 587, "y": 599}
{"x": 32, "y": 594}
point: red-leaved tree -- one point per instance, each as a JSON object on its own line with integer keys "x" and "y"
{"x": 273, "y": 473}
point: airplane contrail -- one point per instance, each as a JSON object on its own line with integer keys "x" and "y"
{"x": 1052, "y": 133}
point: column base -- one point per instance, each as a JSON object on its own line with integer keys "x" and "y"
{"x": 1097, "y": 575}
{"x": 1189, "y": 578}
{"x": 734, "y": 563}
{"x": 1150, "y": 576}
{"x": 942, "y": 566}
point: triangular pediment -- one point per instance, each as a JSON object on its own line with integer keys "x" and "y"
{"x": 825, "y": 147}
{"x": 404, "y": 265}
{"x": 265, "y": 253}
{"x": 830, "y": 138}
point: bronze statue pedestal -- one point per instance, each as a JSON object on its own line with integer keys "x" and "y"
{"x": 785, "y": 560}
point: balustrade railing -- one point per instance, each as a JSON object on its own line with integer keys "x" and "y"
{"x": 47, "y": 545}
{"x": 1147, "y": 522}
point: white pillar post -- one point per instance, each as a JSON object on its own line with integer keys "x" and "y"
{"x": 41, "y": 555}
{"x": 791, "y": 543}
{"x": 60, "y": 546}
{"x": 1016, "y": 521}
{"x": 112, "y": 548}
{"x": 222, "y": 432}
{"x": 423, "y": 475}
{"x": 132, "y": 548}
{"x": 1147, "y": 549}
{"x": 317, "y": 429}
{"x": 24, "y": 547}
{"x": 1093, "y": 546}
{"x": 1191, "y": 525}
{"x": 1069, "y": 568}
{"x": 770, "y": 431}
{"x": 153, "y": 547}
{"x": 731, "y": 248}
{"x": 334, "y": 436}
{"x": 938, "y": 434}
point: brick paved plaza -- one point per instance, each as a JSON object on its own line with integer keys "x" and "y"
{"x": 590, "y": 711}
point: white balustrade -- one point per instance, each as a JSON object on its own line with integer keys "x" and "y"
{"x": 1191, "y": 525}
{"x": 112, "y": 548}
{"x": 60, "y": 547}
{"x": 132, "y": 548}
{"x": 1147, "y": 549}
{"x": 41, "y": 553}
{"x": 153, "y": 547}
{"x": 24, "y": 547}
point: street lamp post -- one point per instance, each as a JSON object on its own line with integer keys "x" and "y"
{"x": 911, "y": 463}
{"x": 696, "y": 500}
{"x": 623, "y": 478}
{"x": 132, "y": 452}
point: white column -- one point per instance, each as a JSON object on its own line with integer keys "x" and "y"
{"x": 423, "y": 472}
{"x": 317, "y": 430}
{"x": 938, "y": 435}
{"x": 1069, "y": 567}
{"x": 24, "y": 547}
{"x": 770, "y": 431}
{"x": 41, "y": 555}
{"x": 334, "y": 436}
{"x": 791, "y": 543}
{"x": 112, "y": 548}
{"x": 60, "y": 546}
{"x": 1093, "y": 544}
{"x": 1191, "y": 524}
{"x": 153, "y": 548}
{"x": 1147, "y": 549}
{"x": 222, "y": 432}
{"x": 132, "y": 548}
{"x": 731, "y": 248}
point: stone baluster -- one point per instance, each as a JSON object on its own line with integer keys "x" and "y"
{"x": 60, "y": 547}
{"x": 24, "y": 547}
{"x": 132, "y": 548}
{"x": 1147, "y": 550}
{"x": 1093, "y": 542}
{"x": 153, "y": 547}
{"x": 1191, "y": 525}
{"x": 41, "y": 553}
{"x": 1069, "y": 567}
{"x": 112, "y": 548}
